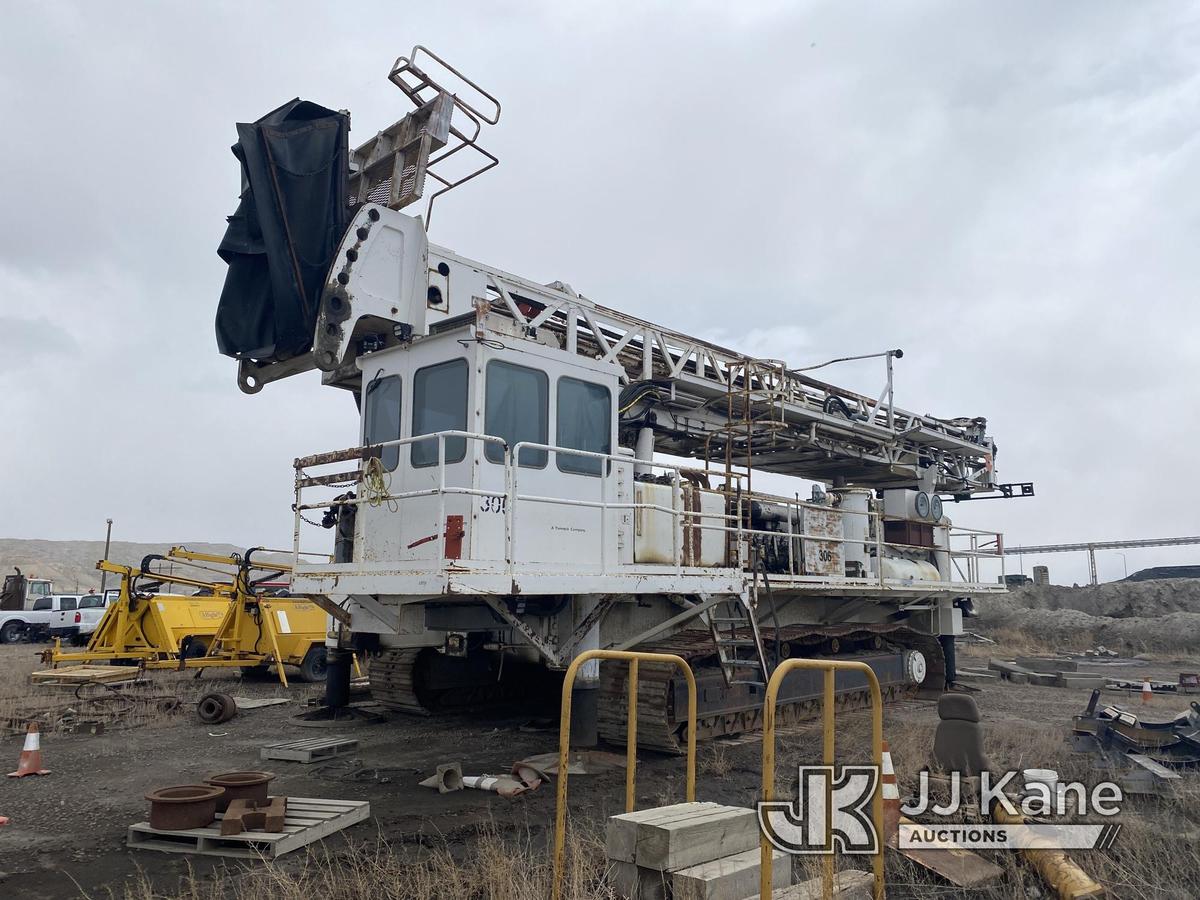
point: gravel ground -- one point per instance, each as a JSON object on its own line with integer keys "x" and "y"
{"x": 67, "y": 833}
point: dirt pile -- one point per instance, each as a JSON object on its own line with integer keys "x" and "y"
{"x": 71, "y": 565}
{"x": 1130, "y": 617}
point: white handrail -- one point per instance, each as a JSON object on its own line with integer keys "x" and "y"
{"x": 725, "y": 523}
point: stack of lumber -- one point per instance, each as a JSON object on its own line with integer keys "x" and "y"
{"x": 689, "y": 851}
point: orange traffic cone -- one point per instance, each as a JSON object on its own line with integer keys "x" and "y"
{"x": 1147, "y": 693}
{"x": 30, "y": 762}
{"x": 891, "y": 796}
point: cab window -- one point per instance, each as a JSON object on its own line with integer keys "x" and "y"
{"x": 439, "y": 404}
{"x": 517, "y": 408}
{"x": 381, "y": 417}
{"x": 584, "y": 423}
{"x": 91, "y": 601}
{"x": 67, "y": 603}
{"x": 43, "y": 603}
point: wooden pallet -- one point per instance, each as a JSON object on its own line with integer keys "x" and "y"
{"x": 311, "y": 750}
{"x": 73, "y": 675}
{"x": 308, "y": 820}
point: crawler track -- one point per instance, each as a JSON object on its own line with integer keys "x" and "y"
{"x": 730, "y": 710}
{"x": 423, "y": 682}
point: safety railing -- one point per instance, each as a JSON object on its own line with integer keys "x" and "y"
{"x": 830, "y": 668}
{"x": 733, "y": 524}
{"x": 382, "y": 493}
{"x": 564, "y": 740}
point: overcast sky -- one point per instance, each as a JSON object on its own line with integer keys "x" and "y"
{"x": 1007, "y": 191}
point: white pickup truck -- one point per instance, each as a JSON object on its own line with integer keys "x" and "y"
{"x": 77, "y": 624}
{"x": 34, "y": 623}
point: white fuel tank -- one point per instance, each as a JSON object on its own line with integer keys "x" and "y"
{"x": 699, "y": 537}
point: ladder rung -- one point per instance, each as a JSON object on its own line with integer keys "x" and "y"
{"x": 752, "y": 683}
{"x": 744, "y": 663}
{"x": 735, "y": 642}
{"x": 721, "y": 619}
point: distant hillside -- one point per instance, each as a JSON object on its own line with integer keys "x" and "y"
{"x": 71, "y": 565}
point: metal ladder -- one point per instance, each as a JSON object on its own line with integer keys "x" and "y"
{"x": 738, "y": 655}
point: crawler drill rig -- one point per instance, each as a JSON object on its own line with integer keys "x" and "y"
{"x": 538, "y": 475}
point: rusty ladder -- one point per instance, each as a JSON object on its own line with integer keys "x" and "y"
{"x": 728, "y": 622}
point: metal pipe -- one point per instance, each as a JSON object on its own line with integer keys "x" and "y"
{"x": 631, "y": 737}
{"x": 564, "y": 742}
{"x": 768, "y": 759}
{"x": 1061, "y": 874}
{"x": 107, "y": 542}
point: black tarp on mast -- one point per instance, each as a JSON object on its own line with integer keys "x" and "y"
{"x": 281, "y": 240}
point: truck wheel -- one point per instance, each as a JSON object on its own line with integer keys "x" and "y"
{"x": 313, "y": 667}
{"x": 192, "y": 647}
{"x": 11, "y": 632}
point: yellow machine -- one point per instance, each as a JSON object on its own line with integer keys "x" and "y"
{"x": 236, "y": 624}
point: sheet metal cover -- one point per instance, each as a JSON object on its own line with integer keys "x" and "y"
{"x": 279, "y": 243}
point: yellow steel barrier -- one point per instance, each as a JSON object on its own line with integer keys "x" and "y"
{"x": 564, "y": 739}
{"x": 830, "y": 667}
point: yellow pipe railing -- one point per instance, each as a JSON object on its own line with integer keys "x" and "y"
{"x": 564, "y": 739}
{"x": 830, "y": 668}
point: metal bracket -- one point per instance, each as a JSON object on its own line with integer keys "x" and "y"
{"x": 542, "y": 646}
{"x": 1003, "y": 492}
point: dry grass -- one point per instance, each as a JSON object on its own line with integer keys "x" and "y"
{"x": 163, "y": 696}
{"x": 1019, "y": 642}
{"x": 714, "y": 760}
{"x": 490, "y": 867}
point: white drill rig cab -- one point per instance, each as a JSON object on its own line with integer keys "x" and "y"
{"x": 537, "y": 475}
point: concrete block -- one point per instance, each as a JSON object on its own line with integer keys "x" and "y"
{"x": 1081, "y": 680}
{"x": 679, "y": 843}
{"x": 621, "y": 832}
{"x": 635, "y": 883}
{"x": 1044, "y": 679}
{"x": 1049, "y": 665}
{"x": 730, "y": 878}
{"x": 1018, "y": 677}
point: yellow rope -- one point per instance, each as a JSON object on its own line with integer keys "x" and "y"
{"x": 377, "y": 484}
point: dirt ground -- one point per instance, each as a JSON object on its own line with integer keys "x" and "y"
{"x": 67, "y": 831}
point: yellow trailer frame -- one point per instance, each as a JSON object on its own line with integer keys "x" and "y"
{"x": 249, "y": 630}
{"x": 147, "y": 630}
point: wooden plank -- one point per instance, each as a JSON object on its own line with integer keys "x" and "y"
{"x": 1156, "y": 769}
{"x": 849, "y": 884}
{"x": 308, "y": 819}
{"x": 621, "y": 831}
{"x": 676, "y": 844}
{"x": 78, "y": 674}
{"x": 310, "y": 750}
{"x": 729, "y": 878}
{"x": 969, "y": 675}
{"x": 956, "y": 864}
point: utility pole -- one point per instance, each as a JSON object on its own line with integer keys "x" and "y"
{"x": 107, "y": 542}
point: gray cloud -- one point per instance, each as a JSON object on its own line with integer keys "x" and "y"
{"x": 1005, "y": 191}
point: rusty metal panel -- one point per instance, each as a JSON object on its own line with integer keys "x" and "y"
{"x": 823, "y": 557}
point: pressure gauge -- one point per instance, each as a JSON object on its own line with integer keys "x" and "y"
{"x": 935, "y": 507}
{"x": 921, "y": 505}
